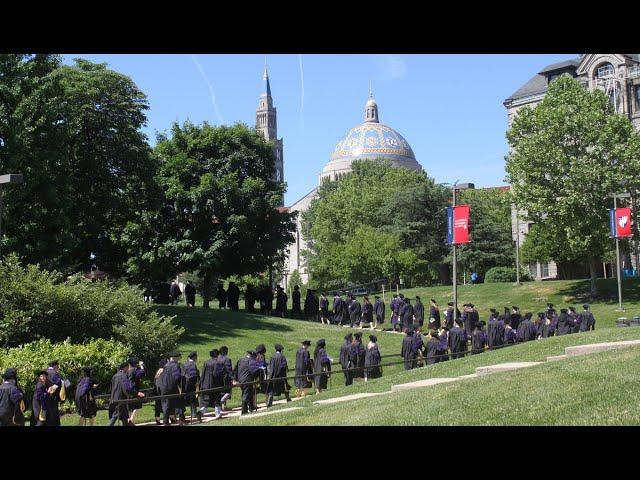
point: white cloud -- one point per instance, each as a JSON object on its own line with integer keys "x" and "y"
{"x": 392, "y": 66}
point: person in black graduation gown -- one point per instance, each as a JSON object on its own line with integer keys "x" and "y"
{"x": 418, "y": 346}
{"x": 171, "y": 384}
{"x": 434, "y": 315}
{"x": 225, "y": 365}
{"x": 261, "y": 361}
{"x": 321, "y": 366}
{"x": 208, "y": 381}
{"x": 121, "y": 389}
{"x": 564, "y": 326}
{"x": 296, "y": 303}
{"x": 86, "y": 397}
{"x": 39, "y": 401}
{"x": 250, "y": 299}
{"x": 276, "y": 376}
{"x": 509, "y": 333}
{"x": 367, "y": 312}
{"x": 516, "y": 318}
{"x": 355, "y": 310}
{"x": 247, "y": 371}
{"x": 157, "y": 381}
{"x": 418, "y": 312}
{"x": 281, "y": 302}
{"x": 135, "y": 374}
{"x": 345, "y": 350}
{"x": 233, "y": 296}
{"x": 324, "y": 309}
{"x": 372, "y": 359}
{"x": 574, "y": 320}
{"x": 448, "y": 316}
{"x": 526, "y": 330}
{"x": 406, "y": 314}
{"x": 548, "y": 325}
{"x": 495, "y": 330}
{"x": 12, "y": 403}
{"x": 407, "y": 352}
{"x": 53, "y": 414}
{"x": 303, "y": 367}
{"x": 338, "y": 310}
{"x": 378, "y": 312}
{"x": 190, "y": 294}
{"x": 356, "y": 356}
{"x": 457, "y": 340}
{"x": 221, "y": 295}
{"x": 588, "y": 322}
{"x": 191, "y": 384}
{"x": 433, "y": 348}
{"x": 478, "y": 339}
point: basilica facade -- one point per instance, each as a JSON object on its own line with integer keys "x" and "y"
{"x": 367, "y": 141}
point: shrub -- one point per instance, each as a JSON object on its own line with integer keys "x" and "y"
{"x": 35, "y": 304}
{"x": 150, "y": 340}
{"x": 505, "y": 274}
{"x": 103, "y": 355}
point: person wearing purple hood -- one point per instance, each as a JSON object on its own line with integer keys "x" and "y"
{"x": 509, "y": 333}
{"x": 394, "y": 311}
{"x": 574, "y": 320}
{"x": 443, "y": 345}
{"x": 86, "y": 398}
{"x": 135, "y": 374}
{"x": 495, "y": 330}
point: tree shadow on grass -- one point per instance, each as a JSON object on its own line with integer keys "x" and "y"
{"x": 607, "y": 291}
{"x": 210, "y": 325}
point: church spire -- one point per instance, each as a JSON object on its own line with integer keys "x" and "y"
{"x": 265, "y": 78}
{"x": 371, "y": 108}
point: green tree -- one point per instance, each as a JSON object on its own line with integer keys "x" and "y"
{"x": 490, "y": 231}
{"x": 378, "y": 221}
{"x": 220, "y": 214}
{"x": 74, "y": 132}
{"x": 568, "y": 155}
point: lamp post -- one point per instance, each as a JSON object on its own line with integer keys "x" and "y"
{"x": 457, "y": 186}
{"x": 615, "y": 205}
{"x": 10, "y": 178}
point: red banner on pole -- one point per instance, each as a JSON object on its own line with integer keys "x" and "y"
{"x": 460, "y": 224}
{"x": 623, "y": 222}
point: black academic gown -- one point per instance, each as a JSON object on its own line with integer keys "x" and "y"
{"x": 11, "y": 397}
{"x": 564, "y": 326}
{"x": 495, "y": 333}
{"x": 296, "y": 303}
{"x": 406, "y": 315}
{"x": 434, "y": 314}
{"x": 85, "y": 398}
{"x": 526, "y": 331}
{"x": 372, "y": 361}
{"x": 356, "y": 359}
{"x": 418, "y": 311}
{"x": 303, "y": 367}
{"x": 338, "y": 310}
{"x": 207, "y": 380}
{"x": 408, "y": 353}
{"x": 457, "y": 342}
{"x": 277, "y": 370}
{"x": 53, "y": 412}
{"x": 588, "y": 321}
{"x": 478, "y": 341}
{"x": 378, "y": 309}
{"x": 354, "y": 312}
{"x": 121, "y": 389}
{"x": 516, "y": 318}
{"x": 321, "y": 365}
{"x": 344, "y": 359}
{"x": 433, "y": 346}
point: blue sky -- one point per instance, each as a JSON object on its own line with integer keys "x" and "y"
{"x": 448, "y": 107}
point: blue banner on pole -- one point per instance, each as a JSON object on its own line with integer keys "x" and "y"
{"x": 449, "y": 225}
{"x": 612, "y": 223}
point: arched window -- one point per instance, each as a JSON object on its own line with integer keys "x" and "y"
{"x": 604, "y": 70}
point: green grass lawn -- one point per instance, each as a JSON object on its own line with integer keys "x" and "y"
{"x": 597, "y": 389}
{"x": 207, "y": 329}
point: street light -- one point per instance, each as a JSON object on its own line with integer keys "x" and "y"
{"x": 615, "y": 205}
{"x": 457, "y": 186}
{"x": 10, "y": 178}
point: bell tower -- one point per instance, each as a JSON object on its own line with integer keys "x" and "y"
{"x": 266, "y": 123}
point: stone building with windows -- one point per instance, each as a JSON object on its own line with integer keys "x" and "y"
{"x": 617, "y": 74}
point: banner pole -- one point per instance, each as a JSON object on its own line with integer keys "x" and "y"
{"x": 615, "y": 206}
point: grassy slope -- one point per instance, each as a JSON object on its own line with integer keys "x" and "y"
{"x": 239, "y": 331}
{"x": 599, "y": 389}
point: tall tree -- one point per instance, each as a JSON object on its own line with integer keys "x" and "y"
{"x": 220, "y": 214}
{"x": 378, "y": 221}
{"x": 74, "y": 132}
{"x": 568, "y": 156}
{"x": 490, "y": 229}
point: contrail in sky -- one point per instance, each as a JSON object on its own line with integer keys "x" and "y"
{"x": 211, "y": 92}
{"x": 302, "y": 91}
